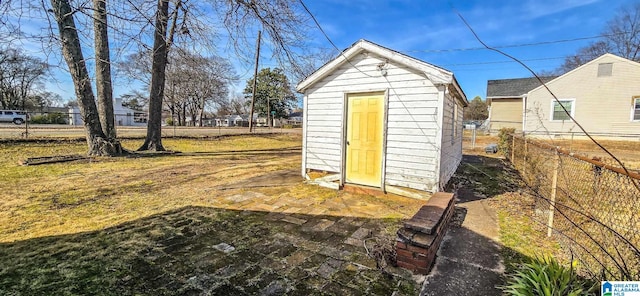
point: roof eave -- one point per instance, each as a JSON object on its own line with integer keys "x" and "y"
{"x": 435, "y": 74}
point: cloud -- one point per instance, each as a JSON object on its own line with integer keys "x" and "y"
{"x": 534, "y": 9}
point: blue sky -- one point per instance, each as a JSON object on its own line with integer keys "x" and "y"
{"x": 432, "y": 32}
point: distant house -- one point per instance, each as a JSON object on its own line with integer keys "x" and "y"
{"x": 379, "y": 118}
{"x": 603, "y": 95}
{"x": 233, "y": 120}
{"x": 295, "y": 119}
{"x": 123, "y": 115}
{"x": 505, "y": 98}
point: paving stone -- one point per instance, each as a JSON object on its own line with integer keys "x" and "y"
{"x": 361, "y": 233}
{"x": 297, "y": 273}
{"x": 232, "y": 269}
{"x": 273, "y": 216}
{"x": 275, "y": 288}
{"x": 334, "y": 288}
{"x": 323, "y": 225}
{"x": 293, "y": 220}
{"x": 292, "y": 210}
{"x": 332, "y": 252}
{"x": 354, "y": 242}
{"x": 274, "y": 264}
{"x": 224, "y": 247}
{"x": 335, "y": 263}
{"x": 244, "y": 196}
{"x": 313, "y": 262}
{"x": 326, "y": 270}
{"x": 317, "y": 282}
{"x": 227, "y": 290}
{"x": 297, "y": 257}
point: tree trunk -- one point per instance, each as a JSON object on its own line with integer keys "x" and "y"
{"x": 153, "y": 140}
{"x": 72, "y": 52}
{"x": 103, "y": 69}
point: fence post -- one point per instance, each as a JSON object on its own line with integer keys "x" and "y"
{"x": 513, "y": 149}
{"x": 554, "y": 185}
{"x": 524, "y": 163}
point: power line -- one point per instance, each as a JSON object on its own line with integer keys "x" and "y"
{"x": 635, "y": 183}
{"x": 504, "y": 62}
{"x": 329, "y": 39}
{"x": 516, "y": 45}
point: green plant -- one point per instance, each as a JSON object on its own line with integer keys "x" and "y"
{"x": 49, "y": 118}
{"x": 547, "y": 277}
{"x": 505, "y": 137}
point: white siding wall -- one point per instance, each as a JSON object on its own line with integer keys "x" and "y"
{"x": 412, "y": 151}
{"x": 602, "y": 104}
{"x": 451, "y": 154}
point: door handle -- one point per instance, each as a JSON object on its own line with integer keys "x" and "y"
{"x": 347, "y": 142}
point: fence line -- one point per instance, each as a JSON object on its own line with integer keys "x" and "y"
{"x": 591, "y": 207}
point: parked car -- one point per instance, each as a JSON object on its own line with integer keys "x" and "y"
{"x": 15, "y": 116}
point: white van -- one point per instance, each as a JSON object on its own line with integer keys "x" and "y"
{"x": 15, "y": 116}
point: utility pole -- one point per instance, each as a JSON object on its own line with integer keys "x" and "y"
{"x": 255, "y": 81}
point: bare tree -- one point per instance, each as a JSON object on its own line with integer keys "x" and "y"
{"x": 103, "y": 69}
{"x": 621, "y": 37}
{"x": 239, "y": 104}
{"x": 153, "y": 141}
{"x": 19, "y": 74}
{"x": 98, "y": 143}
{"x": 197, "y": 82}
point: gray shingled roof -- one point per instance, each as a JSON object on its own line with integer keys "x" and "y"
{"x": 514, "y": 87}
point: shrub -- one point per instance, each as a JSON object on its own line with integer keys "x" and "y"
{"x": 49, "y": 118}
{"x": 547, "y": 277}
{"x": 505, "y": 136}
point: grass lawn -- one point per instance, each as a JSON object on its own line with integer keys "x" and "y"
{"x": 206, "y": 221}
{"x": 521, "y": 236}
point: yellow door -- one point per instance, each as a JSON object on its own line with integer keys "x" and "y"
{"x": 364, "y": 139}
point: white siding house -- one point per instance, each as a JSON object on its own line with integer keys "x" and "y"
{"x": 123, "y": 116}
{"x": 379, "y": 118}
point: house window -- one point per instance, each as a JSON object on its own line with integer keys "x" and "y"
{"x": 140, "y": 117}
{"x": 557, "y": 113}
{"x": 605, "y": 69}
{"x": 636, "y": 108}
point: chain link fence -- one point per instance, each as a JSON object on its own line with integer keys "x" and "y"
{"x": 591, "y": 208}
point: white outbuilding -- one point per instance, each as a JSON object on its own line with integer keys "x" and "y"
{"x": 378, "y": 118}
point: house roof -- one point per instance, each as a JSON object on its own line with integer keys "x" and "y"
{"x": 596, "y": 60}
{"x": 436, "y": 74}
{"x": 513, "y": 88}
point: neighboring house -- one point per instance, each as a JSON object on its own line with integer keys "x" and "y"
{"x": 295, "y": 119}
{"x": 379, "y": 118}
{"x": 233, "y": 120}
{"x": 505, "y": 99}
{"x": 603, "y": 95}
{"x": 123, "y": 115}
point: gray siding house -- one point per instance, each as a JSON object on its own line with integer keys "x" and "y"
{"x": 379, "y": 118}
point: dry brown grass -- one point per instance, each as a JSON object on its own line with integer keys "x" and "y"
{"x": 79, "y": 196}
{"x": 64, "y": 198}
{"x": 627, "y": 151}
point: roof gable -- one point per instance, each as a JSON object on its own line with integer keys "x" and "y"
{"x": 607, "y": 57}
{"x": 514, "y": 88}
{"x": 436, "y": 74}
